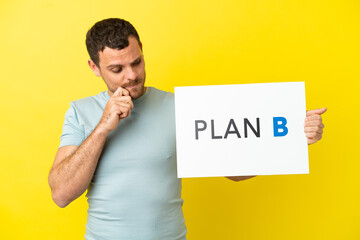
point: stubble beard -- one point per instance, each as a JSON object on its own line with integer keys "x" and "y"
{"x": 140, "y": 88}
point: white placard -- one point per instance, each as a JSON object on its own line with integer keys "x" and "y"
{"x": 239, "y": 130}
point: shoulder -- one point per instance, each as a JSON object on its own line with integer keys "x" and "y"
{"x": 91, "y": 101}
{"x": 161, "y": 99}
{"x": 161, "y": 93}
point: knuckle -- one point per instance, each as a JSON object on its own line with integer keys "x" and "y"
{"x": 311, "y": 134}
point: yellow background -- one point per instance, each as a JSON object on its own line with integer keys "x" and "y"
{"x": 43, "y": 65}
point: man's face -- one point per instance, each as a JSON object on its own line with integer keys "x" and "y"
{"x": 122, "y": 68}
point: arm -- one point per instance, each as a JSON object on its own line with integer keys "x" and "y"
{"x": 74, "y": 166}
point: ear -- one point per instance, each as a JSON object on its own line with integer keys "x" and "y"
{"x": 94, "y": 68}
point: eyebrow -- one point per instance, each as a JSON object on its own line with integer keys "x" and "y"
{"x": 119, "y": 65}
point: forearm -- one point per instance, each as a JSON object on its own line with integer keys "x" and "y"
{"x": 70, "y": 178}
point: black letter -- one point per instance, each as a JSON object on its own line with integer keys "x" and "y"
{"x": 197, "y": 129}
{"x": 246, "y": 122}
{"x": 212, "y": 131}
{"x": 231, "y": 122}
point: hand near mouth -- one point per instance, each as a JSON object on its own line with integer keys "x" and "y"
{"x": 117, "y": 108}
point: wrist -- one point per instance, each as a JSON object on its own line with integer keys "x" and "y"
{"x": 101, "y": 130}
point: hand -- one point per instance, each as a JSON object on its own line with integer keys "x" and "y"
{"x": 117, "y": 108}
{"x": 313, "y": 126}
{"x": 240, "y": 178}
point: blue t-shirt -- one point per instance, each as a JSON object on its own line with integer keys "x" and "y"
{"x": 134, "y": 193}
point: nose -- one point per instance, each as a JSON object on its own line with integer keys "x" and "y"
{"x": 130, "y": 73}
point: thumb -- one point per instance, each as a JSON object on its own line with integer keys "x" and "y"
{"x": 316, "y": 111}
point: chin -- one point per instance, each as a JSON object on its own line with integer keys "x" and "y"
{"x": 136, "y": 93}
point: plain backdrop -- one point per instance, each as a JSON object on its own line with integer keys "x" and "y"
{"x": 43, "y": 66}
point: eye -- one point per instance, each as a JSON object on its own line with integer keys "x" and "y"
{"x": 137, "y": 62}
{"x": 116, "y": 70}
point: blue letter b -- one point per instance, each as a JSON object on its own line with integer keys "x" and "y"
{"x": 280, "y": 123}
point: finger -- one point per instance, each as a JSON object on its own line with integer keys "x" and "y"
{"x": 311, "y": 135}
{"x": 124, "y": 104}
{"x": 313, "y": 123}
{"x": 316, "y": 111}
{"x": 311, "y": 141}
{"x": 119, "y": 99}
{"x": 125, "y": 92}
{"x": 125, "y": 112}
{"x": 315, "y": 139}
{"x": 320, "y": 126}
{"x": 125, "y": 99}
{"x": 118, "y": 92}
{"x": 124, "y": 108}
{"x": 115, "y": 104}
{"x": 313, "y": 129}
{"x": 313, "y": 117}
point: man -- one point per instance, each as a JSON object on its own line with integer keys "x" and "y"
{"x": 120, "y": 145}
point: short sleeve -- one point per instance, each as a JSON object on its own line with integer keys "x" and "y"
{"x": 73, "y": 133}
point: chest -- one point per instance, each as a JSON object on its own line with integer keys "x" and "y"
{"x": 143, "y": 142}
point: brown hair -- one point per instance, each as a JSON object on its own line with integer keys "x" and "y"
{"x": 112, "y": 33}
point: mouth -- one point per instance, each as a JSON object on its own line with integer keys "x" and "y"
{"x": 131, "y": 86}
